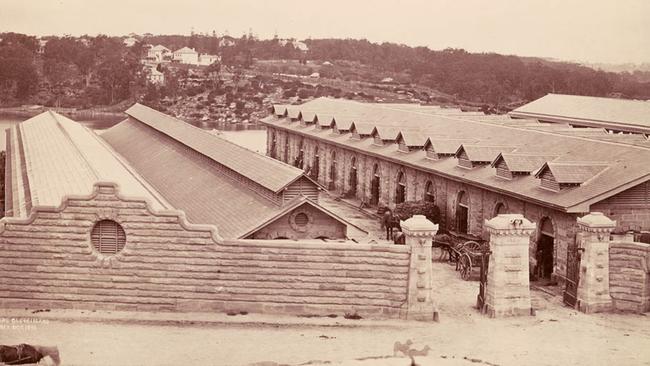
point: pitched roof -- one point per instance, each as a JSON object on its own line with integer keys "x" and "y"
{"x": 523, "y": 163}
{"x": 447, "y": 146}
{"x": 190, "y": 183}
{"x": 627, "y": 160}
{"x": 54, "y": 157}
{"x": 268, "y": 172}
{"x": 159, "y": 47}
{"x": 573, "y": 172}
{"x": 594, "y": 110}
{"x": 481, "y": 153}
{"x": 185, "y": 50}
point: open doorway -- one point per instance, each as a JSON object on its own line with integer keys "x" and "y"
{"x": 353, "y": 177}
{"x": 374, "y": 186}
{"x": 545, "y": 250}
{"x": 462, "y": 213}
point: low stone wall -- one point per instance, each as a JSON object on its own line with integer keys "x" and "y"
{"x": 629, "y": 277}
{"x": 168, "y": 264}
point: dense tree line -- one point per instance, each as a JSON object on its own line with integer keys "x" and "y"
{"x": 101, "y": 70}
{"x": 483, "y": 77}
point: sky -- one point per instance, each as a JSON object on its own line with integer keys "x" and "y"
{"x": 607, "y": 31}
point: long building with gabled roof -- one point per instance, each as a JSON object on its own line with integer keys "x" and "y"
{"x": 474, "y": 166}
{"x": 619, "y": 115}
{"x": 173, "y": 166}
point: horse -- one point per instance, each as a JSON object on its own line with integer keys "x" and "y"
{"x": 27, "y": 353}
{"x": 390, "y": 221}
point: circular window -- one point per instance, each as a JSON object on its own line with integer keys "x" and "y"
{"x": 107, "y": 237}
{"x": 301, "y": 219}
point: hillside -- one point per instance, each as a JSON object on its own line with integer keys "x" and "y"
{"x": 86, "y": 72}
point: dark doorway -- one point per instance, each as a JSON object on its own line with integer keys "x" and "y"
{"x": 353, "y": 177}
{"x": 428, "y": 192}
{"x": 274, "y": 145}
{"x": 374, "y": 186}
{"x": 400, "y": 191}
{"x": 333, "y": 175}
{"x": 462, "y": 213}
{"x": 315, "y": 169}
{"x": 545, "y": 248}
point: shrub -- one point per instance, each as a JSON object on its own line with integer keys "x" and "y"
{"x": 407, "y": 209}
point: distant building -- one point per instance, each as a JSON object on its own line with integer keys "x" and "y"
{"x": 387, "y": 80}
{"x": 155, "y": 76}
{"x": 186, "y": 55}
{"x": 130, "y": 42}
{"x": 299, "y": 45}
{"x": 158, "y": 53}
{"x": 226, "y": 41}
{"x": 207, "y": 60}
{"x": 41, "y": 46}
{"x": 615, "y": 115}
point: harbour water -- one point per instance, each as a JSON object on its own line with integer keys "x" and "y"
{"x": 252, "y": 137}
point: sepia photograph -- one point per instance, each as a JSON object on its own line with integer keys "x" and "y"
{"x": 339, "y": 183}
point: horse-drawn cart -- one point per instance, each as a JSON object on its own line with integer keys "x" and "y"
{"x": 464, "y": 250}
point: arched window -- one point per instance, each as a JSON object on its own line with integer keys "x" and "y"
{"x": 400, "y": 191}
{"x": 428, "y": 192}
{"x": 108, "y": 237}
{"x": 374, "y": 185}
{"x": 274, "y": 145}
{"x": 353, "y": 176}
{"x": 286, "y": 149}
{"x": 315, "y": 166}
{"x": 500, "y": 208}
{"x": 462, "y": 213}
{"x": 333, "y": 172}
{"x": 299, "y": 161}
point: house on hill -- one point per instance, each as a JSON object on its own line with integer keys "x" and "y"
{"x": 186, "y": 55}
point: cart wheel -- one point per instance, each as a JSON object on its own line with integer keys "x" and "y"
{"x": 472, "y": 246}
{"x": 465, "y": 264}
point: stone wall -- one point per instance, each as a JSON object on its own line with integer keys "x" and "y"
{"x": 482, "y": 203}
{"x": 48, "y": 261}
{"x": 629, "y": 277}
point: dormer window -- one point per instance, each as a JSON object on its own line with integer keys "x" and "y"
{"x": 471, "y": 156}
{"x": 503, "y": 171}
{"x": 463, "y": 159}
{"x": 408, "y": 142}
{"x": 557, "y": 176}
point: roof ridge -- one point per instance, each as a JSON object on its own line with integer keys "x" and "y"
{"x": 69, "y": 138}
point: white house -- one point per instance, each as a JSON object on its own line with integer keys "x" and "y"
{"x": 158, "y": 53}
{"x": 207, "y": 60}
{"x": 156, "y": 77}
{"x": 186, "y": 55}
{"x": 130, "y": 41}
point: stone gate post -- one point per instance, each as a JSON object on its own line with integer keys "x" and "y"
{"x": 419, "y": 233}
{"x": 593, "y": 286}
{"x": 508, "y": 287}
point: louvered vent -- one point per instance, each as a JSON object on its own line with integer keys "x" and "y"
{"x": 301, "y": 219}
{"x": 108, "y": 237}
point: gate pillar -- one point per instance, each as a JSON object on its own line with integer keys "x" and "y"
{"x": 419, "y": 233}
{"x": 593, "y": 288}
{"x": 508, "y": 287}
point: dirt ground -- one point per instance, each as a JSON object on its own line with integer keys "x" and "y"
{"x": 556, "y": 335}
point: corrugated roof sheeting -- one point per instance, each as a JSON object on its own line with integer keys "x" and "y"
{"x": 61, "y": 157}
{"x": 268, "y": 172}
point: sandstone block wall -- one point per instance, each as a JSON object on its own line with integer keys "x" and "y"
{"x": 482, "y": 203}
{"x": 629, "y": 277}
{"x": 168, "y": 264}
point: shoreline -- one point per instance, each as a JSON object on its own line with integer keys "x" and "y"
{"x": 83, "y": 113}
